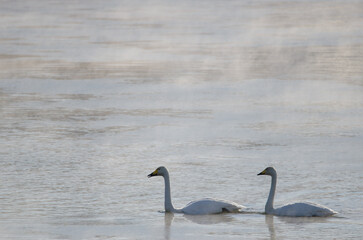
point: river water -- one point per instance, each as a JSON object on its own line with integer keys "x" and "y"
{"x": 95, "y": 95}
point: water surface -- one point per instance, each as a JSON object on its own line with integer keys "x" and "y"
{"x": 95, "y": 96}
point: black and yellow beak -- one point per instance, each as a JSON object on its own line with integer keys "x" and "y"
{"x": 262, "y": 173}
{"x": 153, "y": 174}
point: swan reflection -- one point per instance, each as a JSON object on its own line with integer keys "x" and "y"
{"x": 270, "y": 222}
{"x": 168, "y": 219}
{"x": 198, "y": 219}
{"x": 209, "y": 219}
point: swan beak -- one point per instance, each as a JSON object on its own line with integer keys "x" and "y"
{"x": 155, "y": 173}
{"x": 262, "y": 173}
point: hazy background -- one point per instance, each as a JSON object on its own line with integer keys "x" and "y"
{"x": 94, "y": 95}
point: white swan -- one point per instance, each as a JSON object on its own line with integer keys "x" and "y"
{"x": 201, "y": 207}
{"x": 300, "y": 209}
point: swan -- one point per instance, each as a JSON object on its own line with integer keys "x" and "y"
{"x": 201, "y": 207}
{"x": 299, "y": 209}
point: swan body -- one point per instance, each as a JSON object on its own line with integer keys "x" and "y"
{"x": 303, "y": 209}
{"x": 200, "y": 207}
{"x": 210, "y": 206}
{"x": 299, "y": 209}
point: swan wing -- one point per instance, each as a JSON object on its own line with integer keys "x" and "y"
{"x": 211, "y": 206}
{"x": 304, "y": 209}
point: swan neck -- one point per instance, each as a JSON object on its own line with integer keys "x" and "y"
{"x": 270, "y": 201}
{"x": 168, "y": 204}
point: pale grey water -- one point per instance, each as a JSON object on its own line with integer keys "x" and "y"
{"x": 95, "y": 95}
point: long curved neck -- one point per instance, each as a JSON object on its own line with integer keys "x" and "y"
{"x": 168, "y": 204}
{"x": 270, "y": 201}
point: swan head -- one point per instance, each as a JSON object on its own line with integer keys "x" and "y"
{"x": 160, "y": 171}
{"x": 268, "y": 171}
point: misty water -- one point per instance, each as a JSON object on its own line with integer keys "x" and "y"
{"x": 95, "y": 95}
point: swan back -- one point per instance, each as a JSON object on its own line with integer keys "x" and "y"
{"x": 211, "y": 206}
{"x": 304, "y": 209}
